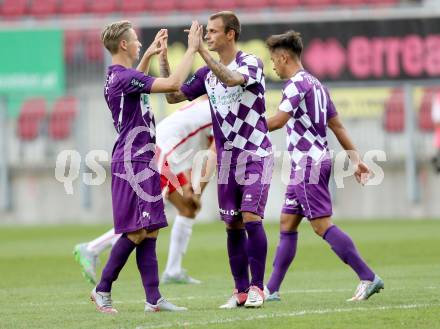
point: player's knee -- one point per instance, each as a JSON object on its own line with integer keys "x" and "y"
{"x": 235, "y": 225}
{"x": 250, "y": 217}
{"x": 137, "y": 237}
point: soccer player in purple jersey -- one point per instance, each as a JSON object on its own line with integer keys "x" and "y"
{"x": 235, "y": 86}
{"x": 307, "y": 110}
{"x": 138, "y": 210}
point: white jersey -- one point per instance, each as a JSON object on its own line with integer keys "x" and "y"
{"x": 182, "y": 134}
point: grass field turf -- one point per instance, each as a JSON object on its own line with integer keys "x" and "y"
{"x": 41, "y": 286}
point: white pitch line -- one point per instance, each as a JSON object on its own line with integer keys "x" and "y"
{"x": 284, "y": 315}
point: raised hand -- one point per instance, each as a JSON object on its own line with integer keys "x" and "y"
{"x": 159, "y": 43}
{"x": 362, "y": 173}
{"x": 194, "y": 38}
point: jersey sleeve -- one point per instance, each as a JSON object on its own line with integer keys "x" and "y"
{"x": 252, "y": 70}
{"x": 195, "y": 86}
{"x": 331, "y": 109}
{"x": 136, "y": 82}
{"x": 290, "y": 99}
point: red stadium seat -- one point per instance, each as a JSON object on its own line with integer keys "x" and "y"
{"x": 102, "y": 6}
{"x": 72, "y": 44}
{"x": 254, "y": 4}
{"x": 73, "y": 6}
{"x": 93, "y": 46}
{"x": 382, "y": 2}
{"x": 394, "y": 116}
{"x": 133, "y": 6}
{"x": 285, "y": 3}
{"x": 317, "y": 3}
{"x": 425, "y": 118}
{"x": 30, "y": 119}
{"x": 224, "y": 5}
{"x": 13, "y": 8}
{"x": 43, "y": 8}
{"x": 194, "y": 5}
{"x": 350, "y": 3}
{"x": 62, "y": 117}
{"x": 163, "y": 5}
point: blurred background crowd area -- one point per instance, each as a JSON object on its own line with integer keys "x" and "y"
{"x": 379, "y": 58}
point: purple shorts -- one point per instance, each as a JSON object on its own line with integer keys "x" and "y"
{"x": 243, "y": 188}
{"x": 308, "y": 193}
{"x": 136, "y": 205}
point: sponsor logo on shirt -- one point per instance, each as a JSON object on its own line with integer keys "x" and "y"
{"x": 191, "y": 80}
{"x": 248, "y": 197}
{"x": 137, "y": 83}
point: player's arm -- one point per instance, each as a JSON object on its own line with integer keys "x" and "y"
{"x": 278, "y": 120}
{"x": 362, "y": 171}
{"x": 165, "y": 71}
{"x": 173, "y": 82}
{"x": 155, "y": 48}
{"x": 225, "y": 75}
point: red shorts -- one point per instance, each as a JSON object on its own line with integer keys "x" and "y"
{"x": 164, "y": 182}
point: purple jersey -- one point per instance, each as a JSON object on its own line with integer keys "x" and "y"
{"x": 309, "y": 104}
{"x": 127, "y": 94}
{"x": 237, "y": 112}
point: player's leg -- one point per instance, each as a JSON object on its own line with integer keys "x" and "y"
{"x": 229, "y": 203}
{"x": 180, "y": 235}
{"x": 254, "y": 197}
{"x": 284, "y": 255}
{"x": 146, "y": 260}
{"x": 119, "y": 254}
{"x": 86, "y": 254}
{"x": 344, "y": 248}
{"x": 238, "y": 262}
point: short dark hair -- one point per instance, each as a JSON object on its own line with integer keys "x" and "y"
{"x": 291, "y": 40}
{"x": 230, "y": 21}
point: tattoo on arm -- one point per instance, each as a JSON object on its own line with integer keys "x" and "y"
{"x": 224, "y": 74}
{"x": 164, "y": 68}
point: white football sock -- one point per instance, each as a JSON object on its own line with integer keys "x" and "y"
{"x": 103, "y": 242}
{"x": 179, "y": 239}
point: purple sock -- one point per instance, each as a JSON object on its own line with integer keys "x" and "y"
{"x": 238, "y": 258}
{"x": 283, "y": 258}
{"x": 147, "y": 264}
{"x": 118, "y": 257}
{"x": 344, "y": 247}
{"x": 257, "y": 251}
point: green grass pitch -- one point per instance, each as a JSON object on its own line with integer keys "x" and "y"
{"x": 41, "y": 285}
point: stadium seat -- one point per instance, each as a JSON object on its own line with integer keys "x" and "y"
{"x": 102, "y": 6}
{"x": 194, "y": 5}
{"x": 224, "y": 5}
{"x": 32, "y": 113}
{"x": 425, "y": 118}
{"x": 350, "y": 3}
{"x": 285, "y": 3}
{"x": 382, "y": 2}
{"x": 43, "y": 8}
{"x": 317, "y": 3}
{"x": 62, "y": 117}
{"x": 93, "y": 47}
{"x": 73, "y": 7}
{"x": 72, "y": 45}
{"x": 254, "y": 4}
{"x": 394, "y": 114}
{"x": 133, "y": 6}
{"x": 13, "y": 8}
{"x": 163, "y": 5}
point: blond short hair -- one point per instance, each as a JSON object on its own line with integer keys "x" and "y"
{"x": 113, "y": 33}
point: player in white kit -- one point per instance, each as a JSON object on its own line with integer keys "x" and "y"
{"x": 180, "y": 136}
